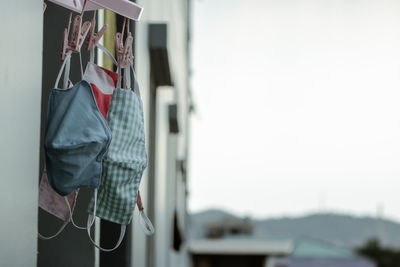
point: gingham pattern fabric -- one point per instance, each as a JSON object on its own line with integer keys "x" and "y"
{"x": 125, "y": 160}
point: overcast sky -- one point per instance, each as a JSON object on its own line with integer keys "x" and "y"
{"x": 298, "y": 106}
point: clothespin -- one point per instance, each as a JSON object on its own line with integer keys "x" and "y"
{"x": 78, "y": 35}
{"x": 124, "y": 51}
{"x": 94, "y": 37}
{"x": 44, "y": 6}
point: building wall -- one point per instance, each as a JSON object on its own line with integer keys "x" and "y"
{"x": 20, "y": 75}
{"x": 168, "y": 185}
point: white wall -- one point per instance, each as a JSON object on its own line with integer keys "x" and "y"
{"x": 20, "y": 75}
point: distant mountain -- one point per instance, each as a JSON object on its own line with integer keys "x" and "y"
{"x": 342, "y": 230}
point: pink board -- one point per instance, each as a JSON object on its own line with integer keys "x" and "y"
{"x": 76, "y": 5}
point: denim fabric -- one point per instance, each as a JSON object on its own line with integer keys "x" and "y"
{"x": 77, "y": 137}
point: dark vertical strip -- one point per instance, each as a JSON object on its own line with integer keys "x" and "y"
{"x": 71, "y": 247}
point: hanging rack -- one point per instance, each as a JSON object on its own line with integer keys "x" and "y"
{"x": 122, "y": 7}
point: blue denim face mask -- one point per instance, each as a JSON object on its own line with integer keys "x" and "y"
{"x": 77, "y": 137}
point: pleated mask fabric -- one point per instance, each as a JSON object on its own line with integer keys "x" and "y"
{"x": 125, "y": 160}
{"x": 77, "y": 137}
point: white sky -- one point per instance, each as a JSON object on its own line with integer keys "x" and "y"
{"x": 298, "y": 106}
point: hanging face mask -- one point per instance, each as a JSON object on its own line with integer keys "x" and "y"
{"x": 77, "y": 137}
{"x": 103, "y": 81}
{"x": 124, "y": 162}
{"x": 55, "y": 204}
{"x": 50, "y": 201}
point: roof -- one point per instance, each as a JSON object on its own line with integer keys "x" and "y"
{"x": 293, "y": 262}
{"x": 307, "y": 248}
{"x": 240, "y": 247}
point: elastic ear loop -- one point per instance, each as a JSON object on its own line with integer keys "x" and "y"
{"x": 70, "y": 211}
{"x": 67, "y": 63}
{"x": 136, "y": 88}
{"x": 80, "y": 62}
{"x": 127, "y": 79}
{"x": 145, "y": 222}
{"x": 105, "y": 51}
{"x": 56, "y": 234}
{"x": 70, "y": 215}
{"x": 90, "y": 221}
{"x": 119, "y": 76}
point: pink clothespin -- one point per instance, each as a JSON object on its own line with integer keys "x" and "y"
{"x": 94, "y": 37}
{"x": 78, "y": 35}
{"x": 124, "y": 51}
{"x": 44, "y": 6}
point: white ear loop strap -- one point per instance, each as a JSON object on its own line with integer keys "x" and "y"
{"x": 119, "y": 76}
{"x": 90, "y": 221}
{"x": 105, "y": 51}
{"x": 56, "y": 234}
{"x": 136, "y": 88}
{"x": 67, "y": 62}
{"x": 80, "y": 62}
{"x": 70, "y": 211}
{"x": 127, "y": 79}
{"x": 70, "y": 215}
{"x": 146, "y": 224}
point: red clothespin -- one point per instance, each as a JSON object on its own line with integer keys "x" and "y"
{"x": 78, "y": 35}
{"x": 94, "y": 37}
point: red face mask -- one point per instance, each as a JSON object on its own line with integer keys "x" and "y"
{"x": 103, "y": 83}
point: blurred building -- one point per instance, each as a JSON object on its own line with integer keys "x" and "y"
{"x": 229, "y": 226}
{"x": 229, "y": 242}
{"x": 161, "y": 41}
{"x": 311, "y": 253}
{"x": 247, "y": 252}
{"x": 237, "y": 252}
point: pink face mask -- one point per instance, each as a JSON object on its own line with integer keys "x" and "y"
{"x": 55, "y": 204}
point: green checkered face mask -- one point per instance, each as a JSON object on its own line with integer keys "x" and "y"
{"x": 124, "y": 162}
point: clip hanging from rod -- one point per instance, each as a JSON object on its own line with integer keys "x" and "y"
{"x": 94, "y": 38}
{"x": 124, "y": 51}
{"x": 78, "y": 35}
